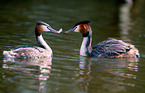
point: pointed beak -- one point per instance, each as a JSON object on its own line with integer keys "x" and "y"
{"x": 55, "y": 31}
{"x": 71, "y": 30}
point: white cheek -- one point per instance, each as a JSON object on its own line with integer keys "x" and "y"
{"x": 45, "y": 28}
{"x": 77, "y": 29}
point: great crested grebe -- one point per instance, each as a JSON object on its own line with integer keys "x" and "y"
{"x": 43, "y": 51}
{"x": 111, "y": 48}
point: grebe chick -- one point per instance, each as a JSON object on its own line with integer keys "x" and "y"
{"x": 111, "y": 48}
{"x": 41, "y": 51}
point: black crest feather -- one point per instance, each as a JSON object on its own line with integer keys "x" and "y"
{"x": 40, "y": 23}
{"x": 82, "y": 22}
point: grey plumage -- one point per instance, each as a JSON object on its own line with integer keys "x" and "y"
{"x": 110, "y": 47}
{"x": 26, "y": 52}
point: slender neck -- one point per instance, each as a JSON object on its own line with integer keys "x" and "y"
{"x": 86, "y": 48}
{"x": 42, "y": 43}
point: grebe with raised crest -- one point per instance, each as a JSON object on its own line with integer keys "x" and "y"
{"x": 111, "y": 48}
{"x": 41, "y": 51}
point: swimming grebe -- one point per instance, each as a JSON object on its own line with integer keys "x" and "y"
{"x": 43, "y": 51}
{"x": 111, "y": 48}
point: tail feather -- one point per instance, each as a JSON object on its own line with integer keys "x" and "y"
{"x": 137, "y": 54}
{"x": 8, "y": 54}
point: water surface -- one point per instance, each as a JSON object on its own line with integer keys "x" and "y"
{"x": 68, "y": 72}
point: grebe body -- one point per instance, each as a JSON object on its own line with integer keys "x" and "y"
{"x": 41, "y": 51}
{"x": 111, "y": 48}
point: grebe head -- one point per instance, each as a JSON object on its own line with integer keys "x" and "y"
{"x": 81, "y": 27}
{"x": 42, "y": 26}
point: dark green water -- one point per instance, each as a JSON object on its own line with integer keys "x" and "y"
{"x": 68, "y": 72}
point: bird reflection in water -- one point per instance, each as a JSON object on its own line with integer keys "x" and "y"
{"x": 110, "y": 71}
{"x": 37, "y": 68}
{"x": 84, "y": 73}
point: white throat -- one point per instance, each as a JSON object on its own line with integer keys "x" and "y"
{"x": 86, "y": 48}
{"x": 42, "y": 43}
